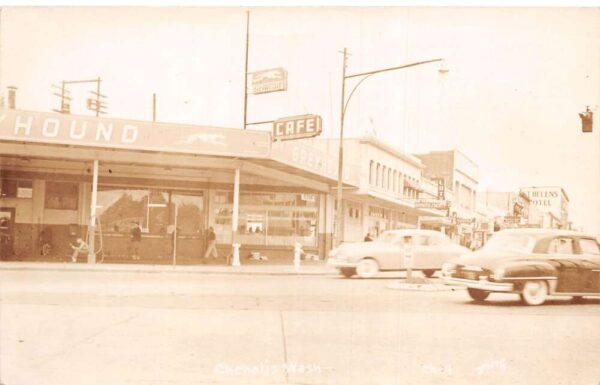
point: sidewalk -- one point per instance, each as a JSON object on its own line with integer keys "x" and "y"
{"x": 308, "y": 269}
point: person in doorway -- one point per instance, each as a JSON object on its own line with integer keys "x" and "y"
{"x": 46, "y": 241}
{"x": 136, "y": 241}
{"x": 79, "y": 247}
{"x": 211, "y": 248}
{"x": 368, "y": 237}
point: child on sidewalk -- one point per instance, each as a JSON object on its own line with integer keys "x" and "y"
{"x": 79, "y": 247}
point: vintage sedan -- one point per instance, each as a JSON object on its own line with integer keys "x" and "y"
{"x": 429, "y": 250}
{"x": 533, "y": 263}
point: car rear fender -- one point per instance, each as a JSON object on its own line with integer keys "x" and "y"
{"x": 519, "y": 272}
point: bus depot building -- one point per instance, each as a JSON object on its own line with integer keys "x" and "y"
{"x": 64, "y": 177}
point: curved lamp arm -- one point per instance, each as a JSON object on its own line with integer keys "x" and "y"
{"x": 368, "y": 74}
{"x": 352, "y": 93}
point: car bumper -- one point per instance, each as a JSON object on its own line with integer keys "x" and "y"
{"x": 480, "y": 284}
{"x": 338, "y": 263}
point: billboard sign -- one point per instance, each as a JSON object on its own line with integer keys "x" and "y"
{"x": 297, "y": 127}
{"x": 65, "y": 129}
{"x": 271, "y": 80}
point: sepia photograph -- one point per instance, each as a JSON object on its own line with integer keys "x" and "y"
{"x": 309, "y": 193}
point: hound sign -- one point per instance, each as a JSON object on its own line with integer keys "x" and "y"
{"x": 297, "y": 127}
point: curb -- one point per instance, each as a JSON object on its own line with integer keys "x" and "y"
{"x": 161, "y": 269}
{"x": 426, "y": 286}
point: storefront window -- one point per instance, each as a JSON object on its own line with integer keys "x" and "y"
{"x": 270, "y": 218}
{"x": 157, "y": 214}
{"x": 121, "y": 209}
{"x": 190, "y": 213}
{"x": 61, "y": 195}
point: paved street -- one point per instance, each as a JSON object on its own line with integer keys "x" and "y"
{"x": 85, "y": 327}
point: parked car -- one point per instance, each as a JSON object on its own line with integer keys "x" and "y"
{"x": 533, "y": 263}
{"x": 430, "y": 249}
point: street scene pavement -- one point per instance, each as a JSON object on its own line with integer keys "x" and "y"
{"x": 184, "y": 327}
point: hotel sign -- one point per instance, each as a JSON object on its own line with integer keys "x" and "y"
{"x": 271, "y": 80}
{"x": 547, "y": 199}
{"x": 297, "y": 127}
{"x": 52, "y": 128}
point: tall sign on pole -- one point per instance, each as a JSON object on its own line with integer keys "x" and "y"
{"x": 271, "y": 80}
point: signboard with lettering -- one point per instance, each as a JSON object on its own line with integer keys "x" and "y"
{"x": 548, "y": 199}
{"x": 302, "y": 155}
{"x": 511, "y": 219}
{"x": 441, "y": 188}
{"x": 431, "y": 204}
{"x": 297, "y": 127}
{"x": 271, "y": 80}
{"x": 53, "y": 128}
{"x": 463, "y": 221}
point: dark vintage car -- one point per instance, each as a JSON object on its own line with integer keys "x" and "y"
{"x": 533, "y": 263}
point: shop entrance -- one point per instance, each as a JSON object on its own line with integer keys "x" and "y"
{"x": 7, "y": 221}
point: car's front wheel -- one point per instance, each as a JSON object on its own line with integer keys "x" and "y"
{"x": 534, "y": 292}
{"x": 478, "y": 294}
{"x": 347, "y": 272}
{"x": 367, "y": 268}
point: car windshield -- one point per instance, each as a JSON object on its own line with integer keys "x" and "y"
{"x": 510, "y": 242}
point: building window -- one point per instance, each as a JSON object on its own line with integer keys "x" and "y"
{"x": 378, "y": 176}
{"x": 10, "y": 188}
{"x": 384, "y": 177}
{"x": 371, "y": 172}
{"x": 61, "y": 195}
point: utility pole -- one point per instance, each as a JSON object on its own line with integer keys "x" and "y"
{"x": 98, "y": 98}
{"x": 246, "y": 68}
{"x": 340, "y": 211}
{"x": 93, "y": 104}
{"x": 154, "y": 107}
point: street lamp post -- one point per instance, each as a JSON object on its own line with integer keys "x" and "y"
{"x": 364, "y": 75}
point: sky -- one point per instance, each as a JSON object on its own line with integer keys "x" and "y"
{"x": 517, "y": 79}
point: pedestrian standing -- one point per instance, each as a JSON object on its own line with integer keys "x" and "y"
{"x": 211, "y": 244}
{"x": 136, "y": 241}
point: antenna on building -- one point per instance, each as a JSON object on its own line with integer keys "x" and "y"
{"x": 373, "y": 130}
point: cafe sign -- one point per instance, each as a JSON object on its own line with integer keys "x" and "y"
{"x": 297, "y": 127}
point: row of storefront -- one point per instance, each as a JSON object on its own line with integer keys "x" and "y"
{"x": 64, "y": 177}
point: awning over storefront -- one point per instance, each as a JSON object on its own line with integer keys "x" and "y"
{"x": 73, "y": 137}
